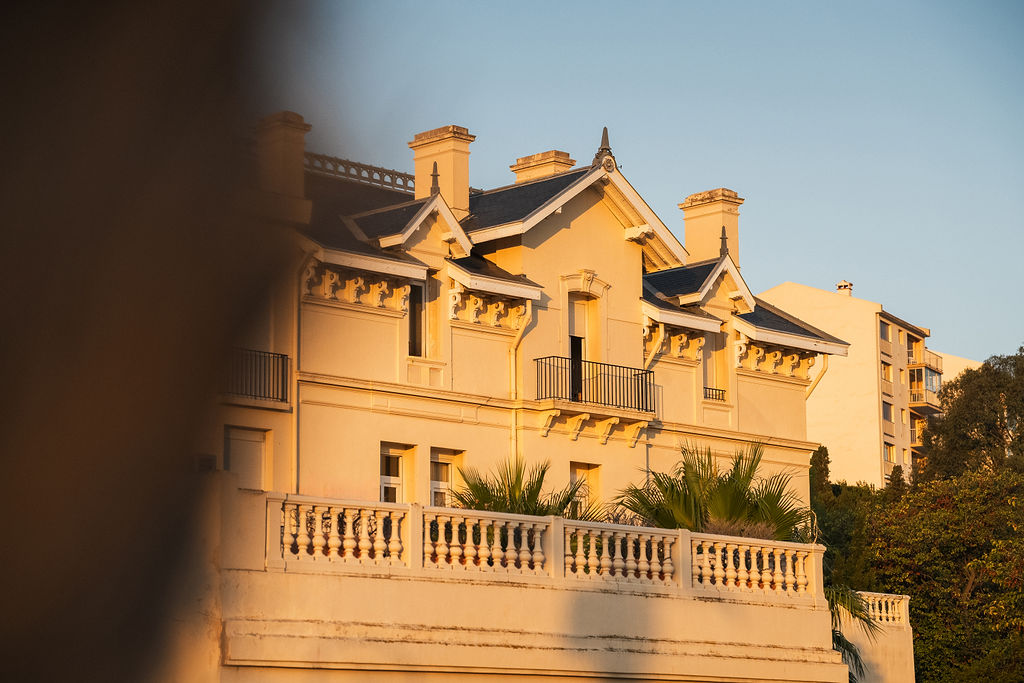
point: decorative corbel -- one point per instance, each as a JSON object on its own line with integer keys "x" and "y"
{"x": 547, "y": 420}
{"x": 476, "y": 306}
{"x": 355, "y": 287}
{"x": 575, "y": 425}
{"x": 741, "y": 351}
{"x": 500, "y": 310}
{"x": 308, "y": 275}
{"x": 605, "y": 427}
{"x": 758, "y": 352}
{"x": 587, "y": 279}
{"x": 378, "y": 292}
{"x": 698, "y": 347}
{"x": 328, "y": 282}
{"x": 805, "y": 367}
{"x": 774, "y": 359}
{"x": 634, "y": 432}
{"x": 403, "y": 297}
{"x": 455, "y": 294}
{"x": 639, "y": 233}
{"x": 793, "y": 363}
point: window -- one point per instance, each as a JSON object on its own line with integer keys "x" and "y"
{"x": 899, "y": 335}
{"x": 886, "y": 371}
{"x": 886, "y": 411}
{"x": 245, "y": 454}
{"x": 579, "y": 319}
{"x": 903, "y": 415}
{"x": 889, "y": 452}
{"x": 883, "y": 330}
{"x": 443, "y": 462}
{"x": 416, "y": 320}
{"x": 392, "y": 458}
{"x": 912, "y": 344}
{"x": 589, "y": 474}
{"x": 903, "y": 376}
{"x": 932, "y": 380}
{"x": 906, "y": 458}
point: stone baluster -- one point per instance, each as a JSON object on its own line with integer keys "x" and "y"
{"x": 667, "y": 568}
{"x": 707, "y": 568}
{"x": 456, "y": 548}
{"x": 719, "y": 571}
{"x": 695, "y": 567}
{"x": 538, "y": 548}
{"x": 569, "y": 566}
{"x": 303, "y": 536}
{"x": 364, "y": 535}
{"x": 511, "y": 553}
{"x": 525, "y": 554}
{"x": 497, "y": 555}
{"x": 348, "y": 543}
{"x": 730, "y": 570}
{"x": 333, "y": 537}
{"x": 631, "y": 564}
{"x": 643, "y": 567}
{"x": 429, "y": 519}
{"x": 290, "y": 527}
{"x": 395, "y": 542}
{"x": 443, "y": 550}
{"x": 485, "y": 545}
{"x": 655, "y": 560}
{"x": 790, "y": 556}
{"x": 766, "y": 572}
{"x": 379, "y": 544}
{"x": 606, "y": 553}
{"x": 617, "y": 564}
{"x": 801, "y": 572}
{"x": 743, "y": 576}
{"x": 471, "y": 547}
{"x": 872, "y": 608}
{"x": 777, "y": 576}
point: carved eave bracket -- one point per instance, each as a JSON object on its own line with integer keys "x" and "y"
{"x": 605, "y": 427}
{"x": 633, "y": 432}
{"x": 333, "y": 283}
{"x": 547, "y": 420}
{"x": 773, "y": 360}
{"x": 485, "y": 309}
{"x": 575, "y": 425}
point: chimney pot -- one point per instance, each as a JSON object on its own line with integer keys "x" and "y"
{"x": 541, "y": 165}
{"x": 845, "y": 287}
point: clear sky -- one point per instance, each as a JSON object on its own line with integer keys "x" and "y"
{"x": 877, "y": 142}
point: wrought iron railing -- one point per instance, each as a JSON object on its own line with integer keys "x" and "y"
{"x": 604, "y": 384}
{"x": 712, "y": 394}
{"x": 257, "y": 374}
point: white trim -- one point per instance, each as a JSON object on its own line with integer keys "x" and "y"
{"x": 560, "y": 199}
{"x": 435, "y": 205}
{"x": 680, "y": 318}
{"x": 725, "y": 265}
{"x": 792, "y": 341}
{"x": 374, "y": 264}
{"x": 660, "y": 229}
{"x": 482, "y": 283}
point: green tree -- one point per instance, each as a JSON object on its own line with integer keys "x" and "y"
{"x": 698, "y": 496}
{"x": 514, "y": 488}
{"x": 982, "y": 421}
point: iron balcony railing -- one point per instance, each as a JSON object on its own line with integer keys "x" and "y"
{"x": 603, "y": 384}
{"x": 257, "y": 374}
{"x": 712, "y": 394}
{"x": 924, "y": 357}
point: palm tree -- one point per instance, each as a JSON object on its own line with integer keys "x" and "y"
{"x": 845, "y": 603}
{"x": 514, "y": 488}
{"x": 696, "y": 495}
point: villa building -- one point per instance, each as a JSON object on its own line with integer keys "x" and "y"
{"x": 873, "y": 405}
{"x": 429, "y": 326}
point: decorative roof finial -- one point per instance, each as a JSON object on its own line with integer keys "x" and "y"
{"x": 434, "y": 187}
{"x": 725, "y": 244}
{"x": 604, "y": 152}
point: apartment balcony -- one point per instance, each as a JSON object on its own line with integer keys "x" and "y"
{"x": 922, "y": 357}
{"x": 712, "y": 394}
{"x": 924, "y": 401}
{"x": 600, "y": 384}
{"x": 917, "y": 428}
{"x": 332, "y": 584}
{"x": 257, "y": 375}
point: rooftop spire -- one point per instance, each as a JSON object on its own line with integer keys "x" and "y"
{"x": 604, "y": 150}
{"x": 724, "y": 250}
{"x": 434, "y": 187}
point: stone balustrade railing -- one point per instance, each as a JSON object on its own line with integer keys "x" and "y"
{"x": 887, "y": 608}
{"x": 312, "y": 534}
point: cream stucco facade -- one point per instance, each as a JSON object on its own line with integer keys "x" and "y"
{"x": 427, "y": 327}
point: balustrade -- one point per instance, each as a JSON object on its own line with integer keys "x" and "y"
{"x": 606, "y": 552}
{"x": 887, "y": 608}
{"x": 483, "y": 542}
{"x": 750, "y": 565}
{"x": 344, "y": 533}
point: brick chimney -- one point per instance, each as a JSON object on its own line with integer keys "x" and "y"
{"x": 280, "y": 151}
{"x": 448, "y": 146}
{"x": 845, "y": 287}
{"x": 541, "y": 165}
{"x": 704, "y": 216}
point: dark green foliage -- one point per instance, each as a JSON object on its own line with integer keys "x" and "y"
{"x": 982, "y": 425}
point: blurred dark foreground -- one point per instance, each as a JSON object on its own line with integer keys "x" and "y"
{"x": 127, "y": 265}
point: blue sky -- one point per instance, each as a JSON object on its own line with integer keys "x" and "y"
{"x": 881, "y": 143}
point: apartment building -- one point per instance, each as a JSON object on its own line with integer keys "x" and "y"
{"x": 429, "y": 326}
{"x": 871, "y": 406}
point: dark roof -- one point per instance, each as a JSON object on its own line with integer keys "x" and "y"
{"x": 481, "y": 266}
{"x": 336, "y": 197}
{"x": 768, "y": 317}
{"x": 650, "y": 296}
{"x": 515, "y": 202}
{"x": 682, "y": 280}
{"x": 390, "y": 220}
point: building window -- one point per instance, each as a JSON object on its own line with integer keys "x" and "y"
{"x": 443, "y": 462}
{"x": 886, "y": 371}
{"x": 899, "y": 334}
{"x": 392, "y": 461}
{"x": 884, "y": 331}
{"x": 417, "y": 320}
{"x": 932, "y": 380}
{"x": 245, "y": 454}
{"x": 903, "y": 415}
{"x": 889, "y": 452}
{"x": 906, "y": 458}
{"x": 903, "y": 376}
{"x": 912, "y": 347}
{"x": 886, "y": 411}
{"x": 589, "y": 474}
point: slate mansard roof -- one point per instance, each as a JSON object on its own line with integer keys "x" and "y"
{"x": 680, "y": 281}
{"x": 768, "y": 317}
{"x": 515, "y": 202}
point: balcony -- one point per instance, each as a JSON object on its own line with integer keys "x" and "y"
{"x": 712, "y": 394}
{"x": 917, "y": 428}
{"x": 349, "y": 585}
{"x": 885, "y": 346}
{"x": 924, "y": 401}
{"x": 257, "y": 374}
{"x": 603, "y": 384}
{"x": 923, "y": 357}
{"x": 887, "y": 387}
